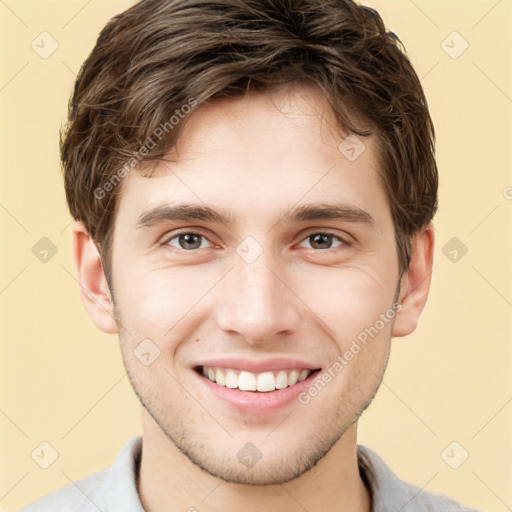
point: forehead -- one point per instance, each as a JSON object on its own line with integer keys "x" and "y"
{"x": 264, "y": 152}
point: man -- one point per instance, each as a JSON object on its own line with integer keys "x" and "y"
{"x": 253, "y": 185}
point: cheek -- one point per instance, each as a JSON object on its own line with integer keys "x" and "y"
{"x": 161, "y": 303}
{"x": 347, "y": 300}
{"x": 356, "y": 306}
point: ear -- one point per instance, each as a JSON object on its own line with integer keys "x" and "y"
{"x": 415, "y": 283}
{"x": 94, "y": 290}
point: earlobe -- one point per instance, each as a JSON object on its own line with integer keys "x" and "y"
{"x": 415, "y": 283}
{"x": 94, "y": 290}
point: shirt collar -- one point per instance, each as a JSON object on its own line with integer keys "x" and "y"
{"x": 122, "y": 480}
{"x": 383, "y": 485}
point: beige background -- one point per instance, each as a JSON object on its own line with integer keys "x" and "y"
{"x": 63, "y": 382}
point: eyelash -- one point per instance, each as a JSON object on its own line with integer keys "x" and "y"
{"x": 342, "y": 241}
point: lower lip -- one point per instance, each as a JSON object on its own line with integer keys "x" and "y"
{"x": 257, "y": 402}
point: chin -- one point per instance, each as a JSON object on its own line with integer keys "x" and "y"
{"x": 262, "y": 473}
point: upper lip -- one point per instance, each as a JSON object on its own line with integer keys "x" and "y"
{"x": 258, "y": 366}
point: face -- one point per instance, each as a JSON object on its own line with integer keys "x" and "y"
{"x": 256, "y": 258}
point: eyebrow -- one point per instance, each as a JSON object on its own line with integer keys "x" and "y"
{"x": 346, "y": 212}
{"x": 182, "y": 212}
{"x": 304, "y": 213}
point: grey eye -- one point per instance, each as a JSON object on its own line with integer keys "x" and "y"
{"x": 323, "y": 241}
{"x": 188, "y": 241}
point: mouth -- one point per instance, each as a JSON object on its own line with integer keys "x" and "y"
{"x": 254, "y": 386}
{"x": 262, "y": 382}
{"x": 255, "y": 392}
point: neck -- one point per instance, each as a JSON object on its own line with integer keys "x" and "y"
{"x": 169, "y": 481}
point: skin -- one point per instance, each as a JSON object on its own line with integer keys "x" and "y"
{"x": 256, "y": 158}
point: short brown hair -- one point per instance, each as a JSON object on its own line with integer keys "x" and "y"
{"x": 159, "y": 56}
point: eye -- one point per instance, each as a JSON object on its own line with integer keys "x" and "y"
{"x": 188, "y": 241}
{"x": 324, "y": 241}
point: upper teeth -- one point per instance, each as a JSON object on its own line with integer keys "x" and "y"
{"x": 247, "y": 381}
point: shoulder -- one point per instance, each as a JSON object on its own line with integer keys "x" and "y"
{"x": 106, "y": 491}
{"x": 391, "y": 493}
{"x": 85, "y": 495}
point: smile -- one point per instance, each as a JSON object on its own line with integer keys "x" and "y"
{"x": 248, "y": 381}
{"x": 255, "y": 386}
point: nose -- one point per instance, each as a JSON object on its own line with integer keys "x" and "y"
{"x": 257, "y": 305}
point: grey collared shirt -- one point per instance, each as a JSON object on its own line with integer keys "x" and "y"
{"x": 115, "y": 489}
